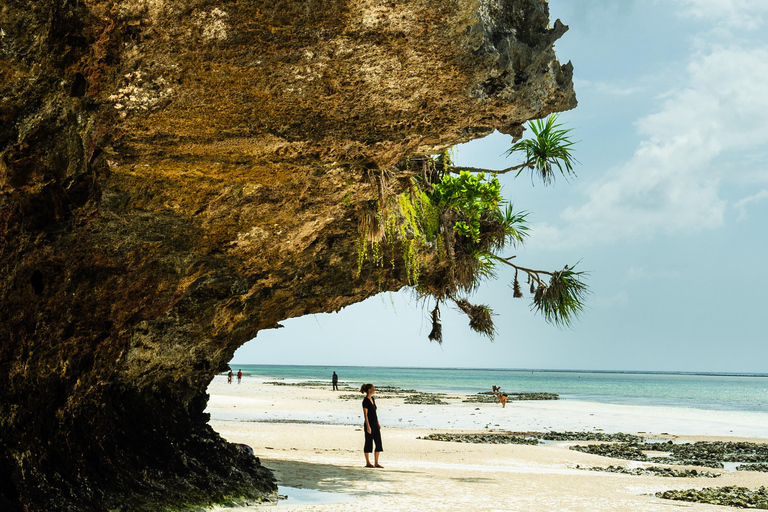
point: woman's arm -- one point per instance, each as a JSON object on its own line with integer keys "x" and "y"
{"x": 367, "y": 424}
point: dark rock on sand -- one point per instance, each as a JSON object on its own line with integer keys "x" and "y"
{"x": 500, "y": 438}
{"x": 589, "y": 436}
{"x": 426, "y": 399}
{"x": 533, "y": 437}
{"x": 731, "y": 496}
{"x": 359, "y": 396}
{"x": 487, "y": 397}
{"x": 244, "y": 448}
{"x": 752, "y": 467}
{"x": 706, "y": 454}
{"x": 410, "y": 396}
{"x": 626, "y": 451}
{"x": 656, "y": 471}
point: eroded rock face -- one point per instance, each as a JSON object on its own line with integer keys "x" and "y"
{"x": 177, "y": 175}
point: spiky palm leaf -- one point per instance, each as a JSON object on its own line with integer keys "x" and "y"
{"x": 548, "y": 147}
{"x": 562, "y": 300}
{"x": 513, "y": 225}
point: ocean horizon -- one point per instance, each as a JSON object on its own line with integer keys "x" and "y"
{"x": 716, "y": 391}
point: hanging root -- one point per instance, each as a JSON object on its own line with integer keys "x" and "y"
{"x": 480, "y": 317}
{"x": 436, "y": 334}
{"x": 370, "y": 225}
{"x": 516, "y": 292}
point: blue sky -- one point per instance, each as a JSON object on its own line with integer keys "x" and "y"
{"x": 669, "y": 212}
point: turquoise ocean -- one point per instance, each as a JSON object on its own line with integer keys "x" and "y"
{"x": 720, "y": 392}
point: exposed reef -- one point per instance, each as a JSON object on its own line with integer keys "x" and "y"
{"x": 730, "y": 496}
{"x": 491, "y": 438}
{"x": 176, "y": 176}
{"x": 530, "y": 437}
{"x": 486, "y": 397}
{"x": 702, "y": 453}
{"x": 656, "y": 471}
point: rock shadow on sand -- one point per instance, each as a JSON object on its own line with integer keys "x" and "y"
{"x": 329, "y": 477}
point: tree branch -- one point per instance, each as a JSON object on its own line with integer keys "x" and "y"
{"x": 531, "y": 272}
{"x": 458, "y": 170}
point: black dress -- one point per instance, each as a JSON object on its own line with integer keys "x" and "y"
{"x": 373, "y": 421}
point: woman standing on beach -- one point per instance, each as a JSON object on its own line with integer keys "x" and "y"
{"x": 372, "y": 427}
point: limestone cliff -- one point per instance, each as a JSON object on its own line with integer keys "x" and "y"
{"x": 177, "y": 175}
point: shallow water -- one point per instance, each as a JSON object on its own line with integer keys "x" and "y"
{"x": 718, "y": 392}
{"x": 299, "y": 496}
{"x": 295, "y": 496}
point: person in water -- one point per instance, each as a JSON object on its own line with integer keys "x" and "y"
{"x": 372, "y": 427}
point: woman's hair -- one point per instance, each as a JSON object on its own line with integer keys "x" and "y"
{"x": 365, "y": 387}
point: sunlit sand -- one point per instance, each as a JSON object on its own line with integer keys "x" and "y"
{"x": 313, "y": 440}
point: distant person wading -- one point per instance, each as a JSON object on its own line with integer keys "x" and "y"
{"x": 372, "y": 427}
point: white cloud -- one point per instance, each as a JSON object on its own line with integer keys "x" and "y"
{"x": 742, "y": 204}
{"x": 692, "y": 144}
{"x": 731, "y": 14}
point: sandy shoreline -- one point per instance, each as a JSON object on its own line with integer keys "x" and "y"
{"x": 326, "y": 453}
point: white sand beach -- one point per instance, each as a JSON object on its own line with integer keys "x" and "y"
{"x": 313, "y": 440}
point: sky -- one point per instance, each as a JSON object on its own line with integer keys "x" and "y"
{"x": 668, "y": 213}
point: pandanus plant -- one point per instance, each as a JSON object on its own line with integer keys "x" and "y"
{"x": 559, "y": 296}
{"x": 550, "y": 146}
{"x": 475, "y": 224}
